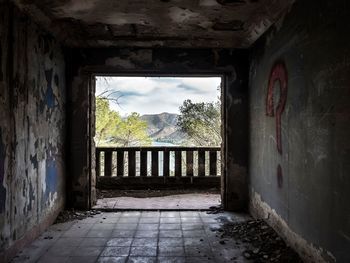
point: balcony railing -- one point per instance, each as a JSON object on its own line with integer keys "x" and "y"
{"x": 168, "y": 164}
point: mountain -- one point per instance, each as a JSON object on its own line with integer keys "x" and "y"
{"x": 162, "y": 127}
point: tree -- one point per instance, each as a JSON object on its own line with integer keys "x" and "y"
{"x": 131, "y": 131}
{"x": 112, "y": 129}
{"x": 201, "y": 122}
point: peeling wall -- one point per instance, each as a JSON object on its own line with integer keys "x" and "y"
{"x": 299, "y": 141}
{"x": 233, "y": 65}
{"x": 32, "y": 129}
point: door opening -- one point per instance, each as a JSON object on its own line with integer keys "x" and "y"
{"x": 158, "y": 142}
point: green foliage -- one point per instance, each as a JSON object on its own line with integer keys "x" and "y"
{"x": 113, "y": 130}
{"x": 131, "y": 131}
{"x": 201, "y": 122}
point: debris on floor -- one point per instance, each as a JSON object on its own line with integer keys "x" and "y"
{"x": 216, "y": 209}
{"x": 70, "y": 215}
{"x": 261, "y": 242}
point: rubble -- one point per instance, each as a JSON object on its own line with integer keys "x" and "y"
{"x": 260, "y": 242}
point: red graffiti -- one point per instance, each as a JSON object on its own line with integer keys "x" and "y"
{"x": 278, "y": 73}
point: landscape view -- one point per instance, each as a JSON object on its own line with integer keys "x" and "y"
{"x": 167, "y": 111}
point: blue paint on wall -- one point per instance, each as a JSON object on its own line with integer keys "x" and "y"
{"x": 2, "y": 175}
{"x": 51, "y": 178}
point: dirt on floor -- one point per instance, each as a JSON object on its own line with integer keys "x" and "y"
{"x": 71, "y": 215}
{"x": 261, "y": 243}
{"x": 151, "y": 193}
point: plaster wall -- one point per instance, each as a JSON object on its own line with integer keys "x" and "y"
{"x": 301, "y": 185}
{"x": 32, "y": 129}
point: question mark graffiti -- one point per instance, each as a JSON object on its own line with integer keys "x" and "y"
{"x": 278, "y": 73}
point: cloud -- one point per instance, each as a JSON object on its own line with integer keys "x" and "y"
{"x": 155, "y": 95}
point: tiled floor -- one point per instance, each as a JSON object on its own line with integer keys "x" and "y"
{"x": 197, "y": 201}
{"x": 136, "y": 237}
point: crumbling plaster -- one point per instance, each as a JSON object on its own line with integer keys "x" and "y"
{"x": 154, "y": 23}
{"x": 32, "y": 128}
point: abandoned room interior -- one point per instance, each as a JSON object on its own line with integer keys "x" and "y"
{"x": 284, "y": 172}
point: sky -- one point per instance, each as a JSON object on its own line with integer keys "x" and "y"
{"x": 152, "y": 95}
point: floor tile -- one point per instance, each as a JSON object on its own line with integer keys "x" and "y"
{"x": 119, "y": 242}
{"x": 166, "y": 242}
{"x": 131, "y": 214}
{"x": 150, "y": 214}
{"x": 61, "y": 251}
{"x": 142, "y": 260}
{"x": 148, "y": 242}
{"x": 52, "y": 259}
{"x": 111, "y": 260}
{"x": 87, "y": 251}
{"x": 125, "y": 226}
{"x": 128, "y": 220}
{"x": 170, "y": 226}
{"x": 171, "y": 260}
{"x": 115, "y": 251}
{"x": 103, "y": 227}
{"x": 170, "y": 214}
{"x": 99, "y": 233}
{"x": 170, "y": 220}
{"x": 147, "y": 226}
{"x": 170, "y": 233}
{"x": 147, "y": 233}
{"x": 191, "y": 226}
{"x": 195, "y": 241}
{"x": 69, "y": 241}
{"x": 93, "y": 242}
{"x": 171, "y": 251}
{"x": 84, "y": 259}
{"x": 123, "y": 233}
{"x": 149, "y": 220}
{"x": 194, "y": 233}
{"x": 143, "y": 251}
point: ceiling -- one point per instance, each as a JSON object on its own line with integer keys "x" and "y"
{"x": 156, "y": 23}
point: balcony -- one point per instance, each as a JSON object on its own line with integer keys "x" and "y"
{"x": 157, "y": 167}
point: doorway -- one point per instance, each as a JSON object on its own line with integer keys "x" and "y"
{"x": 157, "y": 142}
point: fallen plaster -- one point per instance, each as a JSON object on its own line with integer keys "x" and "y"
{"x": 307, "y": 251}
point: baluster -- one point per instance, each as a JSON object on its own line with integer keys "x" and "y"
{"x": 189, "y": 163}
{"x": 212, "y": 161}
{"x": 120, "y": 163}
{"x": 108, "y": 164}
{"x": 178, "y": 164}
{"x": 143, "y": 163}
{"x": 166, "y": 157}
{"x": 132, "y": 163}
{"x": 201, "y": 163}
{"x": 155, "y": 164}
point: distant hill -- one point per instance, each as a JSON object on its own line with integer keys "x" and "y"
{"x": 162, "y": 127}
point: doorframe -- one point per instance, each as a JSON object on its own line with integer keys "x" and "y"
{"x": 224, "y": 120}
